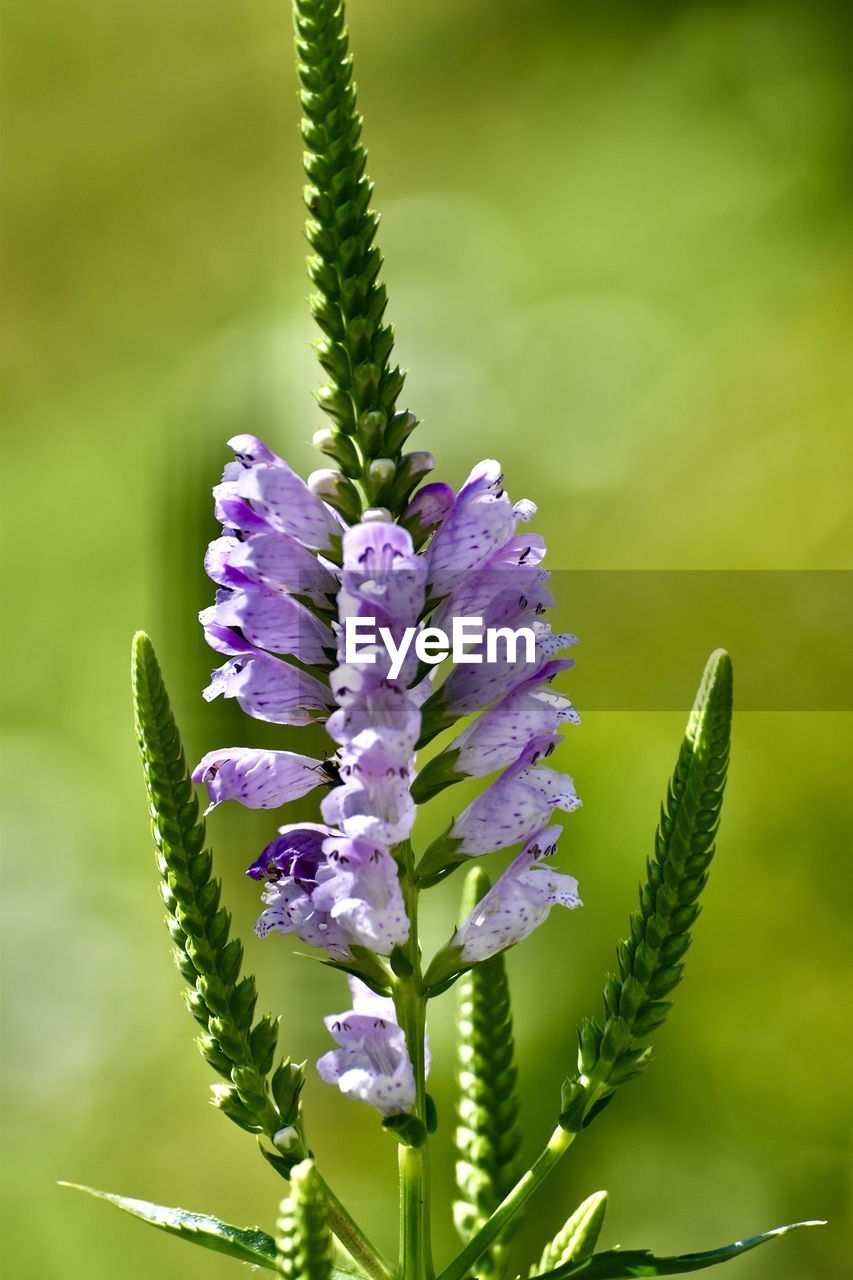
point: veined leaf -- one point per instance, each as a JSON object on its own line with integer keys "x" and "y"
{"x": 248, "y": 1244}
{"x": 619, "y": 1264}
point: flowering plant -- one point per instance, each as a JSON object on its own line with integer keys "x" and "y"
{"x": 368, "y": 547}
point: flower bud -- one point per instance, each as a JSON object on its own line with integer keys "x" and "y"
{"x": 337, "y": 490}
{"x": 338, "y": 446}
{"x": 380, "y": 474}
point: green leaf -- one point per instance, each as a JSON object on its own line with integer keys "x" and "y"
{"x": 650, "y": 961}
{"x": 617, "y": 1264}
{"x": 578, "y": 1237}
{"x": 248, "y": 1244}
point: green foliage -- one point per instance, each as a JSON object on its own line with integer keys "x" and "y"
{"x": 487, "y": 1135}
{"x": 651, "y": 961}
{"x": 360, "y": 395}
{"x": 303, "y": 1235}
{"x": 222, "y": 1002}
{"x": 619, "y": 1264}
{"x": 577, "y": 1239}
{"x": 248, "y": 1244}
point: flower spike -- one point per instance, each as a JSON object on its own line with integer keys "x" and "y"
{"x": 651, "y": 960}
{"x": 362, "y": 385}
{"x": 487, "y": 1134}
{"x": 220, "y": 1001}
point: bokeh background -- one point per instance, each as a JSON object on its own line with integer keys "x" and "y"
{"x": 618, "y": 255}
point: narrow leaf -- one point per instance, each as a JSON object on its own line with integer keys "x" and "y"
{"x": 248, "y": 1244}
{"x": 617, "y": 1264}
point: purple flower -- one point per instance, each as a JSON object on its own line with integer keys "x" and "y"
{"x": 268, "y": 620}
{"x": 258, "y": 779}
{"x": 331, "y": 892}
{"x": 382, "y": 577}
{"x": 497, "y": 737}
{"x": 365, "y": 703}
{"x": 481, "y": 520}
{"x": 372, "y": 1062}
{"x": 474, "y": 686}
{"x": 426, "y": 510}
{"x": 518, "y": 902}
{"x": 359, "y": 886}
{"x": 289, "y": 866}
{"x": 261, "y": 491}
{"x": 268, "y": 688}
{"x": 375, "y": 800}
{"x": 516, "y": 805}
{"x": 272, "y": 560}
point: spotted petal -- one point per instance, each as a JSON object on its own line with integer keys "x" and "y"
{"x": 518, "y": 902}
{"x": 258, "y": 779}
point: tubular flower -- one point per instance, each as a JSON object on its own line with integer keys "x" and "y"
{"x": 258, "y": 779}
{"x": 331, "y": 892}
{"x": 372, "y": 1062}
{"x": 518, "y": 902}
{"x": 517, "y": 804}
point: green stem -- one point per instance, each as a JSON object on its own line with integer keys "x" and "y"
{"x": 410, "y": 1003}
{"x": 353, "y": 1239}
{"x": 461, "y": 1265}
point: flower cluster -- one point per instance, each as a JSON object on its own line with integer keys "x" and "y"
{"x": 290, "y": 574}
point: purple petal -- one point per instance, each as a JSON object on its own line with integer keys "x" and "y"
{"x": 427, "y": 509}
{"x": 471, "y": 687}
{"x": 269, "y": 620}
{"x": 481, "y": 520}
{"x": 364, "y": 705}
{"x": 258, "y": 779}
{"x": 297, "y": 851}
{"x": 518, "y": 902}
{"x": 382, "y": 575}
{"x": 290, "y": 910}
{"x": 375, "y": 800}
{"x": 271, "y": 560}
{"x": 517, "y": 805}
{"x": 270, "y": 689}
{"x": 359, "y": 887}
{"x": 372, "y": 1063}
{"x": 262, "y": 490}
{"x": 497, "y": 737}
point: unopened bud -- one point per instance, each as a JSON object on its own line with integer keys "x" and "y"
{"x": 338, "y": 446}
{"x": 337, "y": 490}
{"x": 376, "y": 515}
{"x": 371, "y": 429}
{"x": 286, "y": 1140}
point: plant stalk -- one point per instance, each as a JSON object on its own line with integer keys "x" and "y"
{"x": 353, "y": 1239}
{"x": 558, "y": 1145}
{"x": 410, "y": 1003}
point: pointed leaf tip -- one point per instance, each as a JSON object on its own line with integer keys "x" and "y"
{"x": 248, "y": 1244}
{"x": 625, "y": 1264}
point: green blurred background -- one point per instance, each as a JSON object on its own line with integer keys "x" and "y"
{"x": 618, "y": 248}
